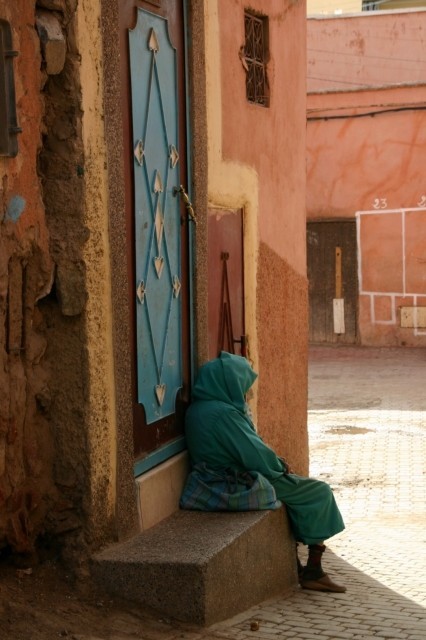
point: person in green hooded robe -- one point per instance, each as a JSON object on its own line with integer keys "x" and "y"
{"x": 221, "y": 436}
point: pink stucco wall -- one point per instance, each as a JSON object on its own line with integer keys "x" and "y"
{"x": 353, "y": 162}
{"x": 392, "y": 275}
{"x": 270, "y": 139}
{"x": 366, "y": 153}
{"x": 369, "y": 49}
{"x": 272, "y": 142}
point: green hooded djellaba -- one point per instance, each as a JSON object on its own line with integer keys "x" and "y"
{"x": 221, "y": 434}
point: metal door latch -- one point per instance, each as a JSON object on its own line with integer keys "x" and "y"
{"x": 187, "y": 201}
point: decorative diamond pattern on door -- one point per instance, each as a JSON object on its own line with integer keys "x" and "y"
{"x": 157, "y": 215}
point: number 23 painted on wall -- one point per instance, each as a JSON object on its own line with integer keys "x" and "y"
{"x": 382, "y": 203}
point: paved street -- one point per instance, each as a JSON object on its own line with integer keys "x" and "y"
{"x": 367, "y": 428}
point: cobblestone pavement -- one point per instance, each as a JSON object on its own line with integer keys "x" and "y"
{"x": 367, "y": 429}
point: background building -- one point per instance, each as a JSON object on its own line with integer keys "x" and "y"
{"x": 365, "y": 178}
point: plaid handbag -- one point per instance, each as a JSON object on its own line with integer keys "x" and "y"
{"x": 227, "y": 490}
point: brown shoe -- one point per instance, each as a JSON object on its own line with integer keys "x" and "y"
{"x": 322, "y": 584}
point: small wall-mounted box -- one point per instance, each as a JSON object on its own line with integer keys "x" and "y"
{"x": 8, "y": 122}
{"x": 413, "y": 317}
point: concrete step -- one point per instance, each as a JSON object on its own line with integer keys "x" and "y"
{"x": 202, "y": 567}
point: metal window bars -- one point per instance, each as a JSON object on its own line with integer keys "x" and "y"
{"x": 255, "y": 54}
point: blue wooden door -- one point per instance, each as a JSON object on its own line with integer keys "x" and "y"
{"x": 160, "y": 230}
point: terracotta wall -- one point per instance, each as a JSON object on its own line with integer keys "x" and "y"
{"x": 365, "y": 160}
{"x": 271, "y": 141}
{"x": 283, "y": 365}
{"x": 26, "y": 456}
{"x": 368, "y": 49}
{"x": 365, "y": 149}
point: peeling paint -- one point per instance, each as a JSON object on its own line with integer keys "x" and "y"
{"x": 15, "y": 208}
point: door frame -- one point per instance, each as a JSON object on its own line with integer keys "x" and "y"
{"x": 164, "y": 428}
{"x": 121, "y": 450}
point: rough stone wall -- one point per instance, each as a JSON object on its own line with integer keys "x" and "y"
{"x": 282, "y": 391}
{"x": 61, "y": 170}
{"x": 42, "y": 293}
{"x": 26, "y": 488}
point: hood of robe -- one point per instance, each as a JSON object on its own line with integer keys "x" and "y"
{"x": 227, "y": 378}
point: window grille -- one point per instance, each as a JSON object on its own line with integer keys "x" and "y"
{"x": 255, "y": 54}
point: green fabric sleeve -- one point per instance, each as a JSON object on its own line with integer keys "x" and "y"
{"x": 246, "y": 447}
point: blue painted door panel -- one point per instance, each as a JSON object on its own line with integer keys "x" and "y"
{"x": 154, "y": 99}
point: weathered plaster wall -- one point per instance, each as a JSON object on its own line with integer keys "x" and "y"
{"x": 74, "y": 170}
{"x": 270, "y": 140}
{"x": 61, "y": 168}
{"x": 257, "y": 162}
{"x": 283, "y": 366}
{"x": 101, "y": 420}
{"x": 27, "y": 491}
{"x": 370, "y": 49}
{"x": 73, "y": 167}
{"x": 57, "y": 426}
{"x": 357, "y": 160}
